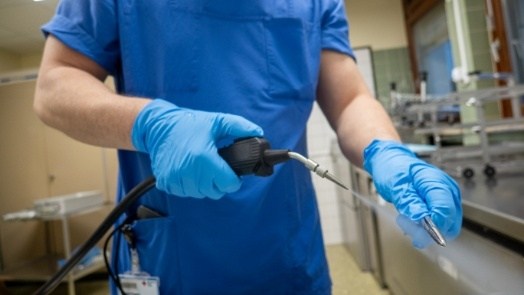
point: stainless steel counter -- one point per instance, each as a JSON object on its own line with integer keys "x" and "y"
{"x": 477, "y": 262}
{"x": 496, "y": 203}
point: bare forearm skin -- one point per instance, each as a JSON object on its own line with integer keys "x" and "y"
{"x": 355, "y": 115}
{"x": 71, "y": 97}
{"x": 357, "y": 128}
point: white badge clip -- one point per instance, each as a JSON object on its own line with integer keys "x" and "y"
{"x": 139, "y": 284}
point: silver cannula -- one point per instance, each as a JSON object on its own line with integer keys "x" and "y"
{"x": 315, "y": 167}
{"x": 433, "y": 231}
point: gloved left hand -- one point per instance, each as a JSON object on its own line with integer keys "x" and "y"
{"x": 415, "y": 188}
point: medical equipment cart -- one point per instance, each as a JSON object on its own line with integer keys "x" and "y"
{"x": 489, "y": 157}
{"x": 44, "y": 267}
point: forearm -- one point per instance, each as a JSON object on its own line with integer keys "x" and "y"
{"x": 82, "y": 107}
{"x": 361, "y": 121}
{"x": 71, "y": 97}
{"x": 353, "y": 113}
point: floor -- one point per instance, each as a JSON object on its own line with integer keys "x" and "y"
{"x": 345, "y": 274}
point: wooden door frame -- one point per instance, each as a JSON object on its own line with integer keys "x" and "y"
{"x": 414, "y": 10}
{"x": 504, "y": 63}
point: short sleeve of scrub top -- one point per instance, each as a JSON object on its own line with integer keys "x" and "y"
{"x": 88, "y": 27}
{"x": 335, "y": 28}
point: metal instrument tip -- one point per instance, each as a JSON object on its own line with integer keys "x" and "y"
{"x": 335, "y": 180}
{"x": 433, "y": 231}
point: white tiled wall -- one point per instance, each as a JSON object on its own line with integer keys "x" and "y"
{"x": 320, "y": 138}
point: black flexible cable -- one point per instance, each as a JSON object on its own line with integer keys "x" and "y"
{"x": 106, "y": 259}
{"x": 99, "y": 233}
{"x": 113, "y": 274}
{"x": 114, "y": 258}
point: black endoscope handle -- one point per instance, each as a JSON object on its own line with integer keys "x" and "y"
{"x": 246, "y": 156}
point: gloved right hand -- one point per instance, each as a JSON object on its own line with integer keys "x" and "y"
{"x": 182, "y": 146}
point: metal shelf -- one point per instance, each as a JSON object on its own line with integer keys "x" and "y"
{"x": 453, "y": 159}
{"x": 495, "y": 126}
{"x": 43, "y": 268}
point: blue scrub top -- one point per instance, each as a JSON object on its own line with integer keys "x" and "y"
{"x": 258, "y": 59}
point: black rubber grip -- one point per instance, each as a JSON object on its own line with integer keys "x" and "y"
{"x": 246, "y": 156}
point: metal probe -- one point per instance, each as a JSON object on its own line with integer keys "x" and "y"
{"x": 433, "y": 231}
{"x": 254, "y": 155}
{"x": 427, "y": 223}
{"x": 315, "y": 167}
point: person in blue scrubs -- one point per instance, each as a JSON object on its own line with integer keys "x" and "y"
{"x": 192, "y": 76}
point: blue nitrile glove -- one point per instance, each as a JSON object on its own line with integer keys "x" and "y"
{"x": 416, "y": 188}
{"x": 182, "y": 146}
